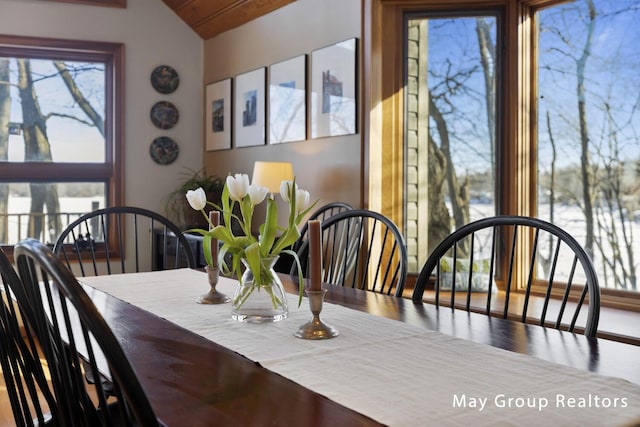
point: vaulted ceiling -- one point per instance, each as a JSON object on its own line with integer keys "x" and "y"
{"x": 209, "y": 18}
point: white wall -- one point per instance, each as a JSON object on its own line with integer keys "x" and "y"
{"x": 330, "y": 168}
{"x": 153, "y": 35}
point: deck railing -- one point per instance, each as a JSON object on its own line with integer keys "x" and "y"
{"x": 15, "y": 226}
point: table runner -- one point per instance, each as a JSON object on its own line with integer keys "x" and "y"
{"x": 396, "y": 373}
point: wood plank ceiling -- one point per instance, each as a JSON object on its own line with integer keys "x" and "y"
{"x": 209, "y": 18}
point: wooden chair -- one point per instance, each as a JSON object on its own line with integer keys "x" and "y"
{"x": 24, "y": 376}
{"x": 361, "y": 249}
{"x": 135, "y": 233}
{"x": 472, "y": 258}
{"x": 69, "y": 330}
{"x": 322, "y": 213}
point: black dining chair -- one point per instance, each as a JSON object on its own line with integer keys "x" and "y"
{"x": 322, "y": 213}
{"x": 555, "y": 279}
{"x": 25, "y": 379}
{"x": 123, "y": 239}
{"x": 73, "y": 337}
{"x": 361, "y": 249}
{"x": 119, "y": 240}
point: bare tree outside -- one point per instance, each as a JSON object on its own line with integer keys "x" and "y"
{"x": 5, "y": 115}
{"x": 460, "y": 86}
{"x": 588, "y": 150}
{"x": 50, "y": 111}
{"x": 588, "y": 79}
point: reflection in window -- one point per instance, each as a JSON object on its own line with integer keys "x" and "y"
{"x": 451, "y": 132}
{"x": 588, "y": 125}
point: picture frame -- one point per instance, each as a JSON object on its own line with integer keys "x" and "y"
{"x": 249, "y": 108}
{"x": 333, "y": 89}
{"x": 288, "y": 100}
{"x": 218, "y": 112}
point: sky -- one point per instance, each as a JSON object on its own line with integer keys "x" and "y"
{"x": 71, "y": 141}
{"x": 612, "y": 81}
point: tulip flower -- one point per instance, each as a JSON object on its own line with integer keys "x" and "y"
{"x": 257, "y": 194}
{"x": 197, "y": 198}
{"x": 238, "y": 186}
{"x": 284, "y": 189}
{"x": 302, "y": 200}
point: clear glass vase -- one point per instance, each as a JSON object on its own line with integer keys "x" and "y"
{"x": 260, "y": 301}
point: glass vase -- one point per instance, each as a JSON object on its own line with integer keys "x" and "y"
{"x": 260, "y": 301}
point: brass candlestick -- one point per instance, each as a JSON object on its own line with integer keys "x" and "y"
{"x": 213, "y": 296}
{"x": 316, "y": 329}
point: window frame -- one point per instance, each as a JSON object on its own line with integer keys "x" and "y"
{"x": 383, "y": 112}
{"x": 111, "y": 172}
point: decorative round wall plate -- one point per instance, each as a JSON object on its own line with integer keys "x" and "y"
{"x": 163, "y": 150}
{"x": 164, "y": 79}
{"x": 164, "y": 115}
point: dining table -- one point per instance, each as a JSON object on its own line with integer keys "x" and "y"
{"x": 393, "y": 362}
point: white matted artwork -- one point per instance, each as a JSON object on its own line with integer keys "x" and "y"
{"x": 218, "y": 115}
{"x": 333, "y": 89}
{"x": 287, "y": 100}
{"x": 249, "y": 108}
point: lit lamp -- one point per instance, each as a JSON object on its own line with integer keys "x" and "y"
{"x": 271, "y": 175}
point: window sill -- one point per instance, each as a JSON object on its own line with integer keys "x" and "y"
{"x": 619, "y": 325}
{"x": 615, "y": 324}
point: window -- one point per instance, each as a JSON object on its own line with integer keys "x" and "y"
{"x": 560, "y": 80}
{"x": 588, "y": 122}
{"x": 451, "y": 127}
{"x": 60, "y": 133}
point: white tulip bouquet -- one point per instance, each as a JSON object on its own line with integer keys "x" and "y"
{"x": 268, "y": 244}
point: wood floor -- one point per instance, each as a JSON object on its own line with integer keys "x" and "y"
{"x": 6, "y": 418}
{"x": 6, "y": 413}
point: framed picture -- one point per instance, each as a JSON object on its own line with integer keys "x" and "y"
{"x": 333, "y": 89}
{"x": 249, "y": 108}
{"x": 218, "y": 115}
{"x": 287, "y": 100}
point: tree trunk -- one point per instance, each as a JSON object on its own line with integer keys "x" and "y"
{"x": 585, "y": 162}
{"x": 458, "y": 194}
{"x": 439, "y": 218}
{"x": 488, "y": 61}
{"x": 5, "y": 109}
{"x": 78, "y": 96}
{"x": 546, "y": 262}
{"x": 37, "y": 149}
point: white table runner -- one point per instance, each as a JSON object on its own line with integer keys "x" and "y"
{"x": 396, "y": 373}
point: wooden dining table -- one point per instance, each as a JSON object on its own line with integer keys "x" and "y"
{"x": 194, "y": 381}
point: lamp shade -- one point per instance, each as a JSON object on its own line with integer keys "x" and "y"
{"x": 271, "y": 174}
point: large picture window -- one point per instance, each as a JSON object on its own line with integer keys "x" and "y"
{"x": 60, "y": 133}
{"x": 588, "y": 147}
{"x": 525, "y": 107}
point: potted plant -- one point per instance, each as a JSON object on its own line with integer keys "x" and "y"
{"x": 177, "y": 207}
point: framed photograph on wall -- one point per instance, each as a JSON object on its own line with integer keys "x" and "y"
{"x": 288, "y": 100}
{"x": 218, "y": 115}
{"x": 333, "y": 89}
{"x": 249, "y": 108}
